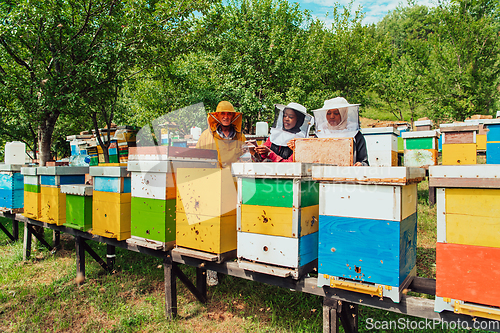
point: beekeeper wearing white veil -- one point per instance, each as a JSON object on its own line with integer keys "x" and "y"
{"x": 293, "y": 123}
{"x": 339, "y": 119}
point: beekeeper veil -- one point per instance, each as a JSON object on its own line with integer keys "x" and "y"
{"x": 337, "y": 118}
{"x": 280, "y": 134}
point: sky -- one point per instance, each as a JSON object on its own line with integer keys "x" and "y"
{"x": 375, "y": 10}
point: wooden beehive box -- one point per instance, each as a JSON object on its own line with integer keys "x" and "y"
{"x": 382, "y": 145}
{"x": 11, "y": 186}
{"x": 423, "y": 125}
{"x": 32, "y": 195}
{"x": 111, "y": 201}
{"x": 459, "y": 143}
{"x": 468, "y": 230}
{"x": 52, "y": 201}
{"x": 278, "y": 205}
{"x": 154, "y": 195}
{"x": 78, "y": 206}
{"x": 206, "y": 210}
{"x": 332, "y": 151}
{"x": 421, "y": 148}
{"x": 492, "y": 141}
{"x": 367, "y": 228}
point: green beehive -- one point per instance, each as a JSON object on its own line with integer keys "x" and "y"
{"x": 78, "y": 206}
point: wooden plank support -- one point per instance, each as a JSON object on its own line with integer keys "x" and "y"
{"x": 432, "y": 195}
{"x": 80, "y": 259}
{"x": 336, "y": 312}
{"x": 184, "y": 279}
{"x": 94, "y": 255}
{"x": 4, "y": 229}
{"x": 15, "y": 229}
{"x": 201, "y": 281}
{"x": 56, "y": 239}
{"x": 170, "y": 289}
{"x": 40, "y": 237}
{"x": 110, "y": 257}
{"x": 27, "y": 242}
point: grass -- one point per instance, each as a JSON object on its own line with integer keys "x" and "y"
{"x": 40, "y": 295}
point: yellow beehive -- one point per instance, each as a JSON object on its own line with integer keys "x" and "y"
{"x": 32, "y": 205}
{"x": 53, "y": 205}
{"x": 206, "y": 210}
{"x": 111, "y": 214}
{"x": 459, "y": 154}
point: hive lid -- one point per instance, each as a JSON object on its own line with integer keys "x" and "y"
{"x": 272, "y": 170}
{"x": 109, "y": 171}
{"x": 368, "y": 175}
{"x": 29, "y": 171}
{"x": 420, "y": 134}
{"x": 11, "y": 167}
{"x": 458, "y": 127}
{"x": 83, "y": 190}
{"x": 168, "y": 166}
{"x": 475, "y": 176}
{"x": 163, "y": 153}
{"x": 62, "y": 170}
{"x": 380, "y": 130}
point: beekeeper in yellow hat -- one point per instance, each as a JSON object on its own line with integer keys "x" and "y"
{"x": 224, "y": 134}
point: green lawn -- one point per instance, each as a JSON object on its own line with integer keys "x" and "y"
{"x": 41, "y": 295}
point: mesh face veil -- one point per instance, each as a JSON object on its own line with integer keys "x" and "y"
{"x": 337, "y": 118}
{"x": 280, "y": 136}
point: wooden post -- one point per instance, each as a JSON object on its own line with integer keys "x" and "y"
{"x": 110, "y": 257}
{"x": 201, "y": 281}
{"x": 80, "y": 260}
{"x": 336, "y": 313}
{"x": 170, "y": 290}
{"x": 27, "y": 242}
{"x": 432, "y": 196}
{"x": 56, "y": 239}
{"x": 330, "y": 318}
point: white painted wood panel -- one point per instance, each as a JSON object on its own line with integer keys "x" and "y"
{"x": 109, "y": 171}
{"x": 150, "y": 185}
{"x": 83, "y": 190}
{"x": 380, "y": 130}
{"x": 441, "y": 214}
{"x": 32, "y": 180}
{"x": 409, "y": 198}
{"x": 380, "y": 202}
{"x": 282, "y": 251}
{"x": 288, "y": 170}
{"x": 421, "y": 134}
{"x": 465, "y": 171}
{"x": 381, "y": 142}
{"x": 380, "y": 158}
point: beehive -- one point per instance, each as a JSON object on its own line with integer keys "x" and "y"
{"x": 468, "y": 229}
{"x": 481, "y": 135}
{"x": 278, "y": 205}
{"x": 111, "y": 201}
{"x": 492, "y": 141}
{"x": 459, "y": 143}
{"x": 78, "y": 206}
{"x": 11, "y": 186}
{"x": 154, "y": 191}
{"x": 32, "y": 195}
{"x": 382, "y": 145}
{"x": 367, "y": 228}
{"x": 206, "y": 210}
{"x": 52, "y": 201}
{"x": 423, "y": 125}
{"x": 421, "y": 148}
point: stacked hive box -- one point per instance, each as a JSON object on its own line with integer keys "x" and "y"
{"x": 278, "y": 206}
{"x": 468, "y": 248}
{"x": 481, "y": 136}
{"x": 52, "y": 201}
{"x": 154, "y": 191}
{"x": 78, "y": 206}
{"x": 420, "y": 148}
{"x": 32, "y": 196}
{"x": 423, "y": 125}
{"x": 382, "y": 145}
{"x": 126, "y": 138}
{"x": 111, "y": 202}
{"x": 459, "y": 143}
{"x": 492, "y": 141}
{"x": 11, "y": 186}
{"x": 367, "y": 228}
{"x": 206, "y": 210}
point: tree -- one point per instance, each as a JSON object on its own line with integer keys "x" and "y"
{"x": 62, "y": 57}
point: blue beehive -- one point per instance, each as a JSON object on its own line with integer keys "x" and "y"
{"x": 492, "y": 141}
{"x": 367, "y": 228}
{"x": 11, "y": 186}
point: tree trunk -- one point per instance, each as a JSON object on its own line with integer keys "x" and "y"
{"x": 45, "y": 131}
